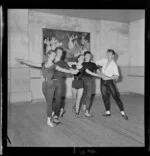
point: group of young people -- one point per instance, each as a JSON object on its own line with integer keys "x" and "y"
{"x": 55, "y": 71}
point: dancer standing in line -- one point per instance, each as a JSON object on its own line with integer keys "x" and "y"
{"x": 48, "y": 88}
{"x": 59, "y": 79}
{"x": 77, "y": 83}
{"x": 110, "y": 69}
{"x": 90, "y": 71}
{"x": 47, "y": 85}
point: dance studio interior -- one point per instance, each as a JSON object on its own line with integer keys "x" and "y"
{"x": 120, "y": 30}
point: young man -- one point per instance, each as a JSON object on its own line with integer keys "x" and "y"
{"x": 110, "y": 69}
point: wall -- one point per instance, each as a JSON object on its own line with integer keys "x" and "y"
{"x": 25, "y": 41}
{"x": 37, "y": 21}
{"x": 136, "y": 56}
{"x": 18, "y": 75}
{"x": 115, "y": 35}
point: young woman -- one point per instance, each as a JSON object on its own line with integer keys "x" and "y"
{"x": 77, "y": 83}
{"x": 59, "y": 79}
{"x": 48, "y": 87}
{"x": 90, "y": 70}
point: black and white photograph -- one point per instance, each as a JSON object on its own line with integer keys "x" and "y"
{"x": 76, "y": 77}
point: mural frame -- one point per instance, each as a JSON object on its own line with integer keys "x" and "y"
{"x": 73, "y": 42}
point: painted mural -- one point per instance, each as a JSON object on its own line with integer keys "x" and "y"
{"x": 74, "y": 43}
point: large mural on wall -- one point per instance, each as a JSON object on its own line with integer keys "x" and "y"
{"x": 74, "y": 43}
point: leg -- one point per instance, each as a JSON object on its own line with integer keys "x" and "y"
{"x": 117, "y": 99}
{"x": 78, "y": 101}
{"x": 48, "y": 92}
{"x": 83, "y": 99}
{"x": 105, "y": 95}
{"x": 74, "y": 95}
{"x": 115, "y": 95}
{"x": 88, "y": 95}
{"x": 58, "y": 97}
{"x": 62, "y": 106}
{"x": 63, "y": 97}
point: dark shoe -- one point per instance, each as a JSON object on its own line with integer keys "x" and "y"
{"x": 125, "y": 117}
{"x": 77, "y": 114}
{"x": 106, "y": 115}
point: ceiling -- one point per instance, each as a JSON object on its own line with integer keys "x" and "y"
{"x": 99, "y": 14}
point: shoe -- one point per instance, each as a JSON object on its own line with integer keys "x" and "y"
{"x": 50, "y": 123}
{"x": 106, "y": 115}
{"x": 125, "y": 117}
{"x": 55, "y": 120}
{"x": 62, "y": 112}
{"x": 77, "y": 114}
{"x": 87, "y": 115}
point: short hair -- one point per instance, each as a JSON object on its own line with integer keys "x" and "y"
{"x": 111, "y": 51}
{"x": 60, "y": 48}
{"x": 50, "y": 51}
{"x": 63, "y": 57}
{"x": 79, "y": 55}
{"x": 64, "y": 53}
{"x": 87, "y": 52}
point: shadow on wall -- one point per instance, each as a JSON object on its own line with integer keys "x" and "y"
{"x": 120, "y": 79}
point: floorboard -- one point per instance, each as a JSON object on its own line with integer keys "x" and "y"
{"x": 27, "y": 125}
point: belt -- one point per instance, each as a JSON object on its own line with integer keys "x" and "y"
{"x": 46, "y": 79}
{"x": 77, "y": 78}
{"x": 62, "y": 78}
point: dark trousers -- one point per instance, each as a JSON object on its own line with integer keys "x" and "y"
{"x": 48, "y": 92}
{"x": 62, "y": 105}
{"x": 108, "y": 87}
{"x": 87, "y": 93}
{"x": 59, "y": 89}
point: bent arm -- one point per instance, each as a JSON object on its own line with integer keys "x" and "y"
{"x": 71, "y": 63}
{"x": 114, "y": 77}
{"x": 91, "y": 73}
{"x": 62, "y": 69}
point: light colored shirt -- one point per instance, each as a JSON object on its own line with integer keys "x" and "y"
{"x": 111, "y": 69}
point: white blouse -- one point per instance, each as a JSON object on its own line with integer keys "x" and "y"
{"x": 111, "y": 69}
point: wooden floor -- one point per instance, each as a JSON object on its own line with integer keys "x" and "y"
{"x": 27, "y": 126}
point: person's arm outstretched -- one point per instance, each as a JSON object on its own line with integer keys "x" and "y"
{"x": 72, "y": 71}
{"x": 95, "y": 74}
{"x": 30, "y": 63}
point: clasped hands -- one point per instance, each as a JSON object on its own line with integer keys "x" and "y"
{"x": 74, "y": 71}
{"x": 103, "y": 76}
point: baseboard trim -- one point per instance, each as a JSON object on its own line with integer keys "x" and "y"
{"x": 15, "y": 97}
{"x": 70, "y": 97}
